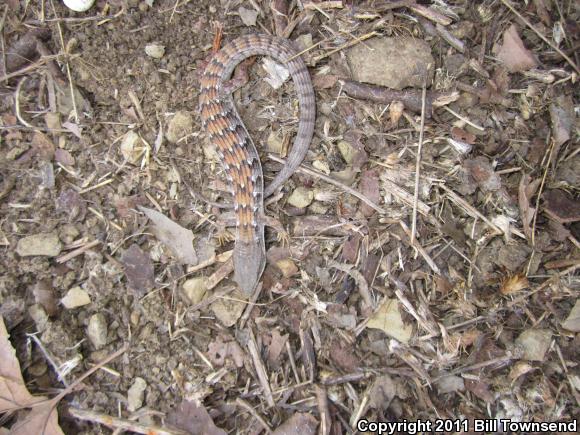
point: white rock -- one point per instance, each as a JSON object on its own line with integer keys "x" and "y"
{"x": 79, "y": 5}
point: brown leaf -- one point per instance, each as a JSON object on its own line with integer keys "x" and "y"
{"x": 71, "y": 203}
{"x": 13, "y": 392}
{"x": 138, "y": 269}
{"x": 480, "y": 170}
{"x": 42, "y": 418}
{"x": 298, "y": 424}
{"x": 561, "y": 207}
{"x": 462, "y": 135}
{"x": 562, "y": 119}
{"x": 275, "y": 347}
{"x": 526, "y": 191}
{"x": 350, "y": 248}
{"x": 369, "y": 187}
{"x": 514, "y": 284}
{"x": 514, "y": 55}
{"x": 325, "y": 81}
{"x": 43, "y": 146}
{"x": 194, "y": 419}
{"x": 63, "y": 157}
{"x": 178, "y": 239}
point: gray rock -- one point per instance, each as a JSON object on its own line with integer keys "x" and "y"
{"x": 136, "y": 394}
{"x": 535, "y": 343}
{"x": 393, "y": 62}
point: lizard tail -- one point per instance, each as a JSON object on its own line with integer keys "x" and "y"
{"x": 249, "y": 263}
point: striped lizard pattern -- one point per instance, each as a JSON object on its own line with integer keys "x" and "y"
{"x": 237, "y": 152}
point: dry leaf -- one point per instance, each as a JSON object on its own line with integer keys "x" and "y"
{"x": 561, "y": 207}
{"x": 526, "y": 191}
{"x": 277, "y": 73}
{"x": 248, "y": 16}
{"x": 572, "y": 322}
{"x": 194, "y": 419}
{"x": 42, "y": 419}
{"x": 43, "y": 147}
{"x": 369, "y": 187}
{"x": 480, "y": 170}
{"x": 298, "y": 424}
{"x": 514, "y": 284}
{"x": 44, "y": 295}
{"x": 178, "y": 239}
{"x": 514, "y": 55}
{"x": 388, "y": 319}
{"x": 14, "y": 395}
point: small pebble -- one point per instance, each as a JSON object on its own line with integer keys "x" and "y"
{"x": 301, "y": 197}
{"x": 136, "y": 394}
{"x": 195, "y": 289}
{"x": 155, "y": 51}
{"x": 97, "y": 330}
{"x": 75, "y": 297}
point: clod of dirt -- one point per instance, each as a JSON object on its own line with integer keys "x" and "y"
{"x": 39, "y": 317}
{"x": 535, "y": 343}
{"x": 396, "y": 63}
{"x": 195, "y": 289}
{"x": 44, "y": 244}
{"x": 229, "y": 311}
{"x": 301, "y": 197}
{"x": 97, "y": 330}
{"x": 180, "y": 126}
{"x": 75, "y": 297}
{"x": 138, "y": 269}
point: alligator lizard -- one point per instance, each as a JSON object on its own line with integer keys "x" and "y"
{"x": 237, "y": 151}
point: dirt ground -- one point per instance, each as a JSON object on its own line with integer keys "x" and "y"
{"x": 447, "y": 289}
